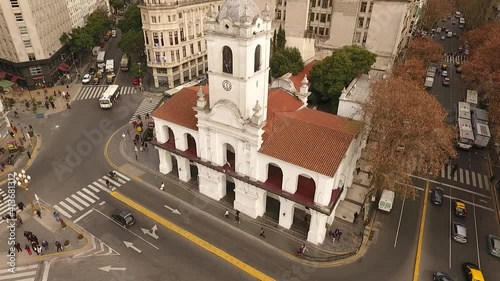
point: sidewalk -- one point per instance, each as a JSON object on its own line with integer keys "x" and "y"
{"x": 122, "y": 154}
{"x": 45, "y": 228}
{"x": 31, "y": 145}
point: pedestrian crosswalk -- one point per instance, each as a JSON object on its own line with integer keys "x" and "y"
{"x": 94, "y": 92}
{"x": 22, "y": 273}
{"x": 98, "y": 249}
{"x": 147, "y": 106}
{"x": 87, "y": 196}
{"x": 4, "y": 205}
{"x": 451, "y": 58}
{"x": 467, "y": 177}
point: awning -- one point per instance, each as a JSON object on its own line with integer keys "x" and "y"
{"x": 2, "y": 74}
{"x": 63, "y": 66}
{"x": 37, "y": 78}
{"x": 14, "y": 78}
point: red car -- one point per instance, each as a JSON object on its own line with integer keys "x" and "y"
{"x": 136, "y": 81}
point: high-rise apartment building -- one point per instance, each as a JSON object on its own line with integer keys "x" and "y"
{"x": 316, "y": 27}
{"x": 173, "y": 35}
{"x": 30, "y": 51}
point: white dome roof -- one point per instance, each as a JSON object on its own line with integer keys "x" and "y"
{"x": 238, "y": 10}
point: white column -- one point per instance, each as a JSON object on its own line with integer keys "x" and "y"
{"x": 249, "y": 199}
{"x": 183, "y": 168}
{"x": 317, "y": 227}
{"x": 165, "y": 161}
{"x": 287, "y": 208}
{"x": 210, "y": 183}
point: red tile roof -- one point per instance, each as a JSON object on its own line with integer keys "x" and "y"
{"x": 179, "y": 108}
{"x": 310, "y": 139}
{"x": 297, "y": 79}
{"x": 279, "y": 101}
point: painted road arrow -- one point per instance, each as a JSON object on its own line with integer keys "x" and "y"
{"x": 109, "y": 268}
{"x": 151, "y": 232}
{"x": 175, "y": 211}
{"x": 131, "y": 245}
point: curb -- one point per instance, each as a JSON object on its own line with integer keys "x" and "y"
{"x": 360, "y": 249}
{"x": 38, "y": 140}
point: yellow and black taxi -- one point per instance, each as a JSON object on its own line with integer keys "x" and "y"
{"x": 472, "y": 272}
{"x": 459, "y": 208}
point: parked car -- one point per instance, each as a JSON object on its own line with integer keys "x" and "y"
{"x": 444, "y": 73}
{"x": 494, "y": 245}
{"x": 446, "y": 81}
{"x": 460, "y": 48}
{"x": 459, "y": 232}
{"x": 472, "y": 272}
{"x": 442, "y": 37}
{"x": 459, "y": 208}
{"x": 136, "y": 81}
{"x": 441, "y": 276}
{"x": 123, "y": 218}
{"x": 437, "y": 196}
{"x": 86, "y": 78}
{"x": 449, "y": 34}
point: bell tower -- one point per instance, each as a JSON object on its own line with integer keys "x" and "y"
{"x": 239, "y": 45}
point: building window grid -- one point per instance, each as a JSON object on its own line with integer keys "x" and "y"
{"x": 31, "y": 57}
{"x": 36, "y": 70}
{"x": 19, "y": 17}
{"x": 367, "y": 25}
{"x": 14, "y": 3}
{"x": 361, "y": 21}
{"x": 371, "y": 8}
{"x": 363, "y": 7}
{"x": 27, "y": 43}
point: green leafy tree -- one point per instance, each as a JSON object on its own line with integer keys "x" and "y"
{"x": 138, "y": 69}
{"x": 131, "y": 19}
{"x": 329, "y": 76}
{"x": 273, "y": 43}
{"x": 280, "y": 39}
{"x": 117, "y": 5}
{"x": 77, "y": 41}
{"x": 288, "y": 60}
{"x": 132, "y": 42}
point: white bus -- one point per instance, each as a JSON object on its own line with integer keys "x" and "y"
{"x": 110, "y": 66}
{"x": 464, "y": 110}
{"x": 465, "y": 134}
{"x": 109, "y": 97}
{"x": 101, "y": 56}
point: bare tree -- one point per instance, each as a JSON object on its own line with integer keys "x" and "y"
{"x": 425, "y": 49}
{"x": 412, "y": 68}
{"x": 408, "y": 134}
{"x": 434, "y": 10}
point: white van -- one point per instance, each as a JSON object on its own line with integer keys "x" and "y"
{"x": 386, "y": 200}
{"x": 113, "y": 33}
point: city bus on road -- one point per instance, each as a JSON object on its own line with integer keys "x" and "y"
{"x": 109, "y": 97}
{"x": 465, "y": 132}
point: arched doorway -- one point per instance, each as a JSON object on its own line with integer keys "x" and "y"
{"x": 191, "y": 142}
{"x": 306, "y": 187}
{"x": 194, "y": 172}
{"x": 301, "y": 219}
{"x": 175, "y": 171}
{"x": 171, "y": 138}
{"x": 229, "y": 157}
{"x": 274, "y": 176}
{"x": 272, "y": 207}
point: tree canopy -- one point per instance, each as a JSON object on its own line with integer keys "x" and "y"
{"x": 83, "y": 38}
{"x": 425, "y": 49}
{"x": 329, "y": 76}
{"x": 476, "y": 12}
{"x": 408, "y": 135}
{"x": 435, "y": 10}
{"x": 117, "y": 5}
{"x": 132, "y": 41}
{"x": 412, "y": 68}
{"x": 288, "y": 60}
{"x": 131, "y": 19}
{"x": 138, "y": 69}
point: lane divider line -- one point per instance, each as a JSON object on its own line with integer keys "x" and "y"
{"x": 418, "y": 256}
{"x": 193, "y": 238}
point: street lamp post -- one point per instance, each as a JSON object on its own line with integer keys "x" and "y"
{"x": 23, "y": 180}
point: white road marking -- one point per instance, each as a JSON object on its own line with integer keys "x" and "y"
{"x": 449, "y": 185}
{"x": 93, "y": 188}
{"x": 468, "y": 202}
{"x": 62, "y": 203}
{"x": 473, "y": 176}
{"x": 449, "y": 235}
{"x": 122, "y": 176}
{"x": 448, "y": 174}
{"x": 90, "y": 193}
{"x": 461, "y": 174}
{"x": 102, "y": 185}
{"x": 46, "y": 271}
{"x": 102, "y": 203}
{"x": 83, "y": 216}
{"x": 20, "y": 268}
{"x": 61, "y": 211}
{"x": 487, "y": 182}
{"x": 399, "y": 223}
{"x": 479, "y": 181}
{"x": 443, "y": 172}
{"x": 477, "y": 238}
{"x": 467, "y": 177}
{"x": 85, "y": 197}
{"x": 113, "y": 182}
{"x": 74, "y": 204}
{"x": 18, "y": 275}
{"x": 81, "y": 201}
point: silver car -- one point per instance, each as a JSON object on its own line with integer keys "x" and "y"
{"x": 459, "y": 232}
{"x": 494, "y": 245}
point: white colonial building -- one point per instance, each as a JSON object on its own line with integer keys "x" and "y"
{"x": 258, "y": 147}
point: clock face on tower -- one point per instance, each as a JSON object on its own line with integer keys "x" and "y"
{"x": 226, "y": 85}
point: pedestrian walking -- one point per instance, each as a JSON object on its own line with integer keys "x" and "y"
{"x": 53, "y": 105}
{"x": 146, "y": 146}
{"x": 358, "y": 170}
{"x": 59, "y": 246}
{"x": 34, "y": 238}
{"x": 339, "y": 234}
{"x": 68, "y": 105}
{"x": 16, "y": 115}
{"x": 19, "y": 220}
{"x": 35, "y": 249}
{"x": 355, "y": 217}
{"x": 39, "y": 213}
{"x": 45, "y": 245}
{"x": 28, "y": 249}
{"x": 14, "y": 128}
{"x": 262, "y": 233}
{"x": 39, "y": 250}
{"x": 47, "y": 105}
{"x": 28, "y": 234}
{"x": 226, "y": 214}
{"x": 18, "y": 247}
{"x": 237, "y": 217}
{"x": 162, "y": 186}
{"x": 20, "y": 205}
{"x": 57, "y": 216}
